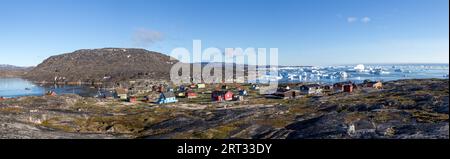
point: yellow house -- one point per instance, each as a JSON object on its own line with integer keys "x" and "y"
{"x": 201, "y": 86}
{"x": 121, "y": 93}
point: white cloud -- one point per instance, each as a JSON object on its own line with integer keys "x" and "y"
{"x": 145, "y": 37}
{"x": 356, "y": 19}
{"x": 366, "y": 20}
{"x": 352, "y": 19}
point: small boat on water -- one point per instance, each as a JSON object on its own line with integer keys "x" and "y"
{"x": 28, "y": 89}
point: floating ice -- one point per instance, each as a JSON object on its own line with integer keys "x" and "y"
{"x": 359, "y": 68}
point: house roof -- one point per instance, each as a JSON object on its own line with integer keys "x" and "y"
{"x": 344, "y": 83}
{"x": 372, "y": 82}
{"x": 221, "y": 92}
{"x": 121, "y": 91}
{"x": 311, "y": 85}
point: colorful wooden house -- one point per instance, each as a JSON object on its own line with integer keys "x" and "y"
{"x": 222, "y": 96}
{"x": 121, "y": 93}
{"x": 191, "y": 94}
{"x": 182, "y": 88}
{"x": 341, "y": 87}
{"x": 284, "y": 94}
{"x": 201, "y": 86}
{"x": 167, "y": 97}
{"x": 311, "y": 89}
{"x": 132, "y": 99}
{"x": 51, "y": 93}
{"x": 327, "y": 88}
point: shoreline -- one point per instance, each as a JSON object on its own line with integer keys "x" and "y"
{"x": 373, "y": 114}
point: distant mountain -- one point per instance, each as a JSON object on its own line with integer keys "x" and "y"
{"x": 13, "y": 71}
{"x": 10, "y": 67}
{"x": 108, "y": 64}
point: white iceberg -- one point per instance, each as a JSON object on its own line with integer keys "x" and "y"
{"x": 360, "y": 68}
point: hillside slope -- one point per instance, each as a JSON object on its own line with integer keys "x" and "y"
{"x": 96, "y": 65}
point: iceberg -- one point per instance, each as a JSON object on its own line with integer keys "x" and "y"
{"x": 341, "y": 75}
{"x": 379, "y": 71}
{"x": 359, "y": 68}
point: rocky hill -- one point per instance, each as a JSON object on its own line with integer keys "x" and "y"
{"x": 98, "y": 65}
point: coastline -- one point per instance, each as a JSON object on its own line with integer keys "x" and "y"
{"x": 418, "y": 106}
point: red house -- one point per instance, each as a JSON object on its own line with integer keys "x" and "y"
{"x": 191, "y": 94}
{"x": 132, "y": 99}
{"x": 51, "y": 93}
{"x": 222, "y": 96}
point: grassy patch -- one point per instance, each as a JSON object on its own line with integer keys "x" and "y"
{"x": 12, "y": 110}
{"x": 428, "y": 117}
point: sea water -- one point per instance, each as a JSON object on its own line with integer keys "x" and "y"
{"x": 17, "y": 87}
{"x": 357, "y": 73}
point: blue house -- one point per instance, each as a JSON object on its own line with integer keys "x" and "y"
{"x": 167, "y": 97}
{"x": 182, "y": 88}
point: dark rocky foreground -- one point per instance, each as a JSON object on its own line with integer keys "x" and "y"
{"x": 405, "y": 109}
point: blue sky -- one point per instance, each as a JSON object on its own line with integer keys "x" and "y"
{"x": 307, "y": 32}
